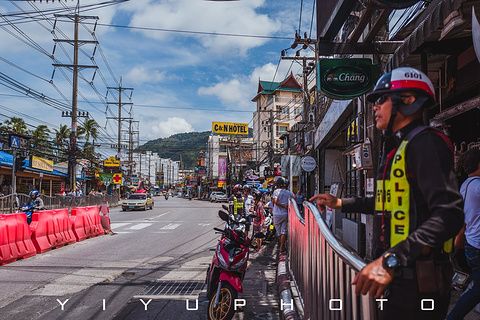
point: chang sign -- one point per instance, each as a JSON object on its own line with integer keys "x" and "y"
{"x": 229, "y": 128}
{"x": 346, "y": 78}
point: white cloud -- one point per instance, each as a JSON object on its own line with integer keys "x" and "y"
{"x": 239, "y": 92}
{"x": 139, "y": 75}
{"x": 169, "y": 127}
{"x": 232, "y": 17}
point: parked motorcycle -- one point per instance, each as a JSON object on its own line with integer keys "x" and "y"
{"x": 227, "y": 270}
{"x": 166, "y": 196}
{"x": 271, "y": 232}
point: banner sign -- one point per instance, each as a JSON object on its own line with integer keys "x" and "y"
{"x": 40, "y": 163}
{"x": 346, "y": 78}
{"x": 111, "y": 162}
{"x": 222, "y": 172}
{"x": 106, "y": 177}
{"x": 229, "y": 128}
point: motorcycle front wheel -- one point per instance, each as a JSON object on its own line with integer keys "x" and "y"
{"x": 225, "y": 307}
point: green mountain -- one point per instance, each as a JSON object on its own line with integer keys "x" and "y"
{"x": 186, "y": 144}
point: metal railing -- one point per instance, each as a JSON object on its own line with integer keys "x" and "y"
{"x": 323, "y": 269}
{"x": 10, "y": 203}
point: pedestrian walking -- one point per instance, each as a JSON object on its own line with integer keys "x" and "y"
{"x": 417, "y": 200}
{"x": 470, "y": 233}
{"x": 280, "y": 199}
{"x": 259, "y": 220}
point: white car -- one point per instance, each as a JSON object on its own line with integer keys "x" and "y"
{"x": 218, "y": 196}
{"x": 140, "y": 201}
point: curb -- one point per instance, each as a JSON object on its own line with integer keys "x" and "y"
{"x": 286, "y": 300}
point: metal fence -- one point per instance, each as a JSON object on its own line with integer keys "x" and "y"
{"x": 11, "y": 202}
{"x": 323, "y": 269}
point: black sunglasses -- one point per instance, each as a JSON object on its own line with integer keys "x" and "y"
{"x": 381, "y": 99}
{"x": 384, "y": 97}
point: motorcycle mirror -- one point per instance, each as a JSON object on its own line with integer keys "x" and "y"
{"x": 259, "y": 235}
{"x": 224, "y": 207}
{"x": 223, "y": 215}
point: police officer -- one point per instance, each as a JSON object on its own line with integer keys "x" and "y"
{"x": 416, "y": 198}
{"x": 236, "y": 202}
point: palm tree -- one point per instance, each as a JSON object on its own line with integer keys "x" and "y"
{"x": 90, "y": 129}
{"x": 16, "y": 125}
{"x": 61, "y": 138}
{"x": 41, "y": 145}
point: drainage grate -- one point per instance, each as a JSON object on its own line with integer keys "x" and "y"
{"x": 172, "y": 290}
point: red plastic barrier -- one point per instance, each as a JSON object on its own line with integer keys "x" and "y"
{"x": 51, "y": 229}
{"x": 15, "y": 238}
{"x": 86, "y": 222}
{"x": 65, "y": 227}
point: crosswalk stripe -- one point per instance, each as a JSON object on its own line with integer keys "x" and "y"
{"x": 140, "y": 226}
{"x": 118, "y": 225}
{"x": 171, "y": 226}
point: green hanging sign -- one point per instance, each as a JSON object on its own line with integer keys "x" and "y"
{"x": 346, "y": 78}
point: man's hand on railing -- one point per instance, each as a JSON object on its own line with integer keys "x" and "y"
{"x": 373, "y": 279}
{"x": 326, "y": 199}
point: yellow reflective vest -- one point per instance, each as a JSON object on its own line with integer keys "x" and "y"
{"x": 393, "y": 196}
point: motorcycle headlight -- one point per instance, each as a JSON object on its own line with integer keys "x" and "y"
{"x": 221, "y": 260}
{"x": 239, "y": 264}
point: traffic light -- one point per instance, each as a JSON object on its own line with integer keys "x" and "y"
{"x": 19, "y": 163}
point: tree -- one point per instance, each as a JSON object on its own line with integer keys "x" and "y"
{"x": 90, "y": 129}
{"x": 62, "y": 137}
{"x": 41, "y": 143}
{"x": 16, "y": 125}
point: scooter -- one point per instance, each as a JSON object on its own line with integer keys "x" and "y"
{"x": 227, "y": 270}
{"x": 271, "y": 232}
{"x": 166, "y": 196}
{"x": 28, "y": 210}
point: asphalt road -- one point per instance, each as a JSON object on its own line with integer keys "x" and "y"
{"x": 99, "y": 277}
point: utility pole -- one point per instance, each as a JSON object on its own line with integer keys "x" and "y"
{"x": 120, "y": 89}
{"x": 72, "y": 161}
{"x": 271, "y": 140}
{"x": 131, "y": 132}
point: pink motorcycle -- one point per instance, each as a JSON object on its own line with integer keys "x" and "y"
{"x": 227, "y": 270}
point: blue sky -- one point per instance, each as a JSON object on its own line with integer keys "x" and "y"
{"x": 183, "y": 73}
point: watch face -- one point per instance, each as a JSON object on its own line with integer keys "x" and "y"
{"x": 391, "y": 261}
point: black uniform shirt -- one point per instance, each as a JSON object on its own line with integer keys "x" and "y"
{"x": 437, "y": 213}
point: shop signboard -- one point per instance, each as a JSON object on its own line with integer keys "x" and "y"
{"x": 106, "y": 177}
{"x": 222, "y": 172}
{"x": 117, "y": 178}
{"x": 40, "y": 163}
{"x": 229, "y": 128}
{"x": 346, "y": 78}
{"x": 111, "y": 162}
{"x": 308, "y": 163}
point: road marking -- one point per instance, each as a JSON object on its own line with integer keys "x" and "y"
{"x": 118, "y": 225}
{"x": 164, "y": 213}
{"x": 171, "y": 226}
{"x": 204, "y": 224}
{"x": 140, "y": 226}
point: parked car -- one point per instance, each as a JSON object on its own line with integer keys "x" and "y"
{"x": 218, "y": 196}
{"x": 140, "y": 201}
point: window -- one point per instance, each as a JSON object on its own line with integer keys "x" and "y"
{"x": 284, "y": 110}
{"x": 297, "y": 111}
{"x": 282, "y": 129}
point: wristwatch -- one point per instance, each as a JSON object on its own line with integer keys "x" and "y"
{"x": 390, "y": 260}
